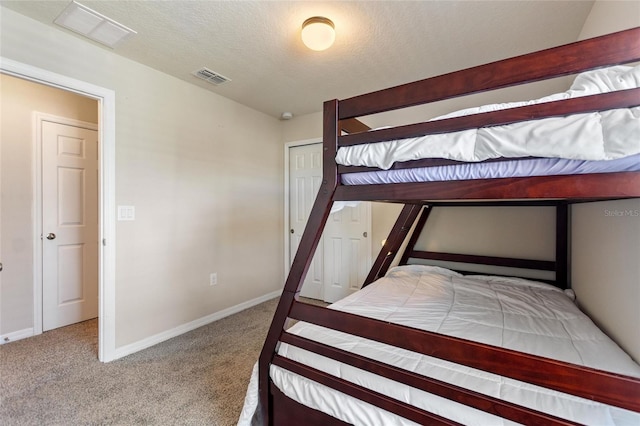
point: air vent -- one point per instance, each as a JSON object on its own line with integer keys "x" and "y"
{"x": 91, "y": 24}
{"x": 210, "y": 76}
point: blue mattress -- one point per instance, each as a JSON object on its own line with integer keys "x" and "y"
{"x": 494, "y": 170}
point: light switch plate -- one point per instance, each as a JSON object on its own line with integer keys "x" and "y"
{"x": 126, "y": 213}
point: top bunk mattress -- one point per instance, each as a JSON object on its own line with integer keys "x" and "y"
{"x": 494, "y": 170}
{"x": 514, "y": 313}
{"x": 604, "y": 135}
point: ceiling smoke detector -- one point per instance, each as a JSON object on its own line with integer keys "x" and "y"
{"x": 210, "y": 76}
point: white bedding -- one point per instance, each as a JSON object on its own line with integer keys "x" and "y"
{"x": 595, "y": 136}
{"x": 513, "y": 313}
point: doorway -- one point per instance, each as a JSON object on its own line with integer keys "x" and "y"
{"x": 343, "y": 257}
{"x": 106, "y": 201}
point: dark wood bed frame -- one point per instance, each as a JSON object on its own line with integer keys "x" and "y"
{"x": 560, "y": 191}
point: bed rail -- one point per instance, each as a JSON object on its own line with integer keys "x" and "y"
{"x": 601, "y": 386}
{"x": 593, "y": 187}
{"x": 620, "y": 99}
{"x": 455, "y": 393}
{"x": 613, "y": 49}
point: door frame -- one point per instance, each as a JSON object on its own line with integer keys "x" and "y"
{"x": 287, "y": 245}
{"x": 106, "y": 198}
{"x": 38, "y": 290}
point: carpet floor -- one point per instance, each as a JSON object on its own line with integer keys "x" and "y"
{"x": 199, "y": 378}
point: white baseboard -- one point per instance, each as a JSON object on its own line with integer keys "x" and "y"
{"x": 177, "y": 331}
{"x": 16, "y": 335}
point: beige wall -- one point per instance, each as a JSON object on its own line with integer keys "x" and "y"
{"x": 606, "y": 236}
{"x": 508, "y": 231}
{"x": 302, "y": 128}
{"x": 606, "y": 269}
{"x": 203, "y": 172}
{"x": 608, "y": 16}
{"x": 19, "y": 100}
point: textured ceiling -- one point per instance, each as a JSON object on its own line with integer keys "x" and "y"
{"x": 378, "y": 43}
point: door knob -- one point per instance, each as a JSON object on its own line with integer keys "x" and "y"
{"x": 51, "y": 236}
{"x": 292, "y": 231}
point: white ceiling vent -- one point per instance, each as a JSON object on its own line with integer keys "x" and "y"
{"x": 210, "y": 76}
{"x": 91, "y": 24}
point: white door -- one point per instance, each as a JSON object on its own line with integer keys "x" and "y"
{"x": 69, "y": 224}
{"x": 305, "y": 176}
{"x": 343, "y": 256}
{"x": 347, "y": 251}
{"x": 1, "y": 266}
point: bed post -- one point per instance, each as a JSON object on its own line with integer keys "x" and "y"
{"x": 310, "y": 238}
{"x": 395, "y": 239}
{"x": 562, "y": 245}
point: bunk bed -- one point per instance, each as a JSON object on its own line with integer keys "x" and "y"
{"x": 390, "y": 364}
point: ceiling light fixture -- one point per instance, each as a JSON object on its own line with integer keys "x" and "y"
{"x": 93, "y": 25}
{"x": 318, "y": 33}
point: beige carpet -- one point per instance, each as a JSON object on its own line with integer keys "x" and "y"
{"x": 199, "y": 378}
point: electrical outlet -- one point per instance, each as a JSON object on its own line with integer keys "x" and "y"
{"x": 213, "y": 278}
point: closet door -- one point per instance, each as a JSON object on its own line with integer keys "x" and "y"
{"x": 343, "y": 257}
{"x": 347, "y": 252}
{"x": 305, "y": 176}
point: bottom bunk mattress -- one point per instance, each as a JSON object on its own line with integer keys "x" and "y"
{"x": 514, "y": 313}
{"x": 494, "y": 170}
